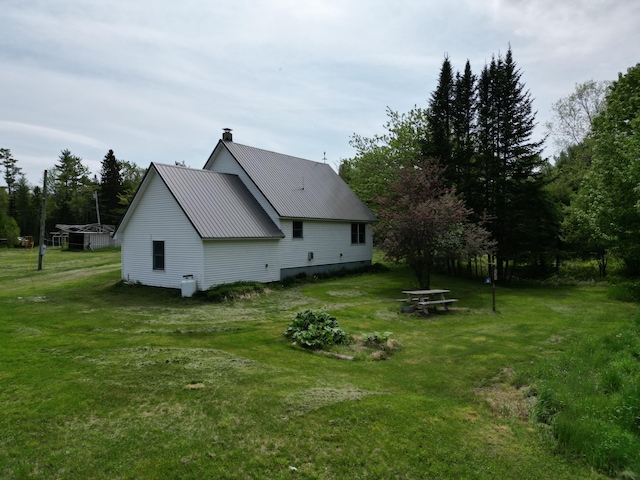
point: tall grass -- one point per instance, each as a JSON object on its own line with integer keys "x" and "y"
{"x": 589, "y": 399}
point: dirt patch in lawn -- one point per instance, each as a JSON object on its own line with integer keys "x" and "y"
{"x": 505, "y": 399}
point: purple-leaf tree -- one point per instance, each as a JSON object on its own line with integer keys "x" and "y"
{"x": 422, "y": 221}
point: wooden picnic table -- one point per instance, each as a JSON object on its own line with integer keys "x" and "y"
{"x": 423, "y": 299}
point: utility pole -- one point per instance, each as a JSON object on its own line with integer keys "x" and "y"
{"x": 43, "y": 217}
{"x": 95, "y": 195}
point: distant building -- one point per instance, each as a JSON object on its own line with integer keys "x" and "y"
{"x": 84, "y": 237}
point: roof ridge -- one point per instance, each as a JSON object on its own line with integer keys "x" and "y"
{"x": 272, "y": 152}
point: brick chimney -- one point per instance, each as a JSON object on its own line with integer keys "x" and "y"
{"x": 226, "y": 135}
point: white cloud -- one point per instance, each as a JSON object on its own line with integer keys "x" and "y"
{"x": 157, "y": 81}
{"x": 37, "y": 131}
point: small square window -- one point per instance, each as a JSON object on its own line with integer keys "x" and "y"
{"x": 358, "y": 233}
{"x": 158, "y": 255}
{"x": 297, "y": 229}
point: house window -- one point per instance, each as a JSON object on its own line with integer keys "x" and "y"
{"x": 158, "y": 255}
{"x": 358, "y": 235}
{"x": 297, "y": 229}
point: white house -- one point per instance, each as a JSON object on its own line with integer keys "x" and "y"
{"x": 250, "y": 214}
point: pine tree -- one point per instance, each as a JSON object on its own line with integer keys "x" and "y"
{"x": 12, "y": 175}
{"x": 72, "y": 190}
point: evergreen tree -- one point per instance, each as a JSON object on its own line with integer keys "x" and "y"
{"x": 26, "y": 216}
{"x": 464, "y": 135}
{"x": 110, "y": 189}
{"x": 438, "y": 144}
{"x": 12, "y": 175}
{"x": 510, "y": 162}
{"x": 72, "y": 191}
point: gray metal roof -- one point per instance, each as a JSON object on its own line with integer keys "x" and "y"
{"x": 218, "y": 205}
{"x": 299, "y": 188}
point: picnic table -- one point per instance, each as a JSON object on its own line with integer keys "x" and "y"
{"x": 423, "y": 299}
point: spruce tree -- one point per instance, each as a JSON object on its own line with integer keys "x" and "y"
{"x": 110, "y": 189}
{"x": 464, "y": 131}
{"x": 440, "y": 120}
{"x": 510, "y": 162}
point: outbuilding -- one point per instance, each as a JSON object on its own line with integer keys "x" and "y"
{"x": 91, "y": 236}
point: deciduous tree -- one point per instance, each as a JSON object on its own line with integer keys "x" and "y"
{"x": 423, "y": 221}
{"x": 8, "y": 227}
{"x": 132, "y": 175}
{"x": 573, "y": 114}
{"x": 377, "y": 159}
{"x": 611, "y": 188}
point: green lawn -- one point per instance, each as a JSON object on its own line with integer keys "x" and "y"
{"x": 100, "y": 380}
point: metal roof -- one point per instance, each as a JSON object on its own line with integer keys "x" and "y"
{"x": 88, "y": 228}
{"x": 218, "y": 205}
{"x": 299, "y": 188}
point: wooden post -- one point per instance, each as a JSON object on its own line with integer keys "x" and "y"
{"x": 492, "y": 272}
{"x": 43, "y": 217}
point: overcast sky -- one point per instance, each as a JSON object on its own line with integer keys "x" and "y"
{"x": 157, "y": 81}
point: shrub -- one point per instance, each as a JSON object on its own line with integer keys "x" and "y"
{"x": 315, "y": 330}
{"x": 233, "y": 291}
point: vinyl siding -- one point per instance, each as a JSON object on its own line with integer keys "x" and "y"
{"x": 157, "y": 216}
{"x": 228, "y": 261}
{"x": 327, "y": 240}
{"x": 99, "y": 240}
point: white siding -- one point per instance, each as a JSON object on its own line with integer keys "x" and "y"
{"x": 327, "y": 240}
{"x": 157, "y": 216}
{"x": 98, "y": 240}
{"x": 225, "y": 163}
{"x": 228, "y": 261}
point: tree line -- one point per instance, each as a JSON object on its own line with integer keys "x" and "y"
{"x": 474, "y": 143}
{"x": 71, "y": 194}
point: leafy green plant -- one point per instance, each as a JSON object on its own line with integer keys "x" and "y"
{"x": 316, "y": 330}
{"x": 376, "y": 338}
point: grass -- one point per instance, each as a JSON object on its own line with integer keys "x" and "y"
{"x": 104, "y": 380}
{"x": 589, "y": 400}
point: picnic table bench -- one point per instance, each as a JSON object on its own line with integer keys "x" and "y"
{"x": 423, "y": 299}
